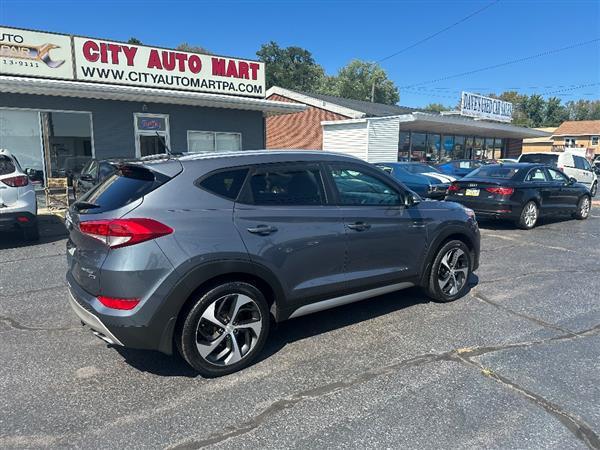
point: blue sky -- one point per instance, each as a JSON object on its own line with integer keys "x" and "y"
{"x": 338, "y": 31}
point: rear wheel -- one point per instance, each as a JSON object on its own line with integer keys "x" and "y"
{"x": 450, "y": 272}
{"x": 529, "y": 216}
{"x": 583, "y": 208}
{"x": 225, "y": 329}
{"x": 31, "y": 233}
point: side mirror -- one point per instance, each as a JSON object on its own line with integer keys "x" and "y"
{"x": 411, "y": 199}
{"x": 572, "y": 180}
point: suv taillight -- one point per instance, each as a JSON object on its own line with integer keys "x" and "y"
{"x": 18, "y": 181}
{"x": 124, "y": 232}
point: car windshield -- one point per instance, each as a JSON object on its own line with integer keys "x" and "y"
{"x": 494, "y": 172}
{"x": 420, "y": 168}
{"x": 539, "y": 158}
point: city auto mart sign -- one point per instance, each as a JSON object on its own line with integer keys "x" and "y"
{"x": 50, "y": 55}
{"x": 475, "y": 105}
{"x": 118, "y": 63}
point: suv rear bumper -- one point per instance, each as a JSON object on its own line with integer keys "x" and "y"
{"x": 11, "y": 220}
{"x": 89, "y": 319}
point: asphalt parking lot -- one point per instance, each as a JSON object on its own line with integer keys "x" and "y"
{"x": 515, "y": 364}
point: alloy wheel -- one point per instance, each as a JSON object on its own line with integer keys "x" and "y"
{"x": 228, "y": 329}
{"x": 584, "y": 209}
{"x": 453, "y": 271}
{"x": 530, "y": 214}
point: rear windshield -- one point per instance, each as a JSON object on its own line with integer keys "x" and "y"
{"x": 128, "y": 184}
{"x": 420, "y": 168}
{"x": 539, "y": 158}
{"x": 6, "y": 165}
{"x": 494, "y": 172}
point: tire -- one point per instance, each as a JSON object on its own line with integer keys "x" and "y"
{"x": 594, "y": 189}
{"x": 583, "y": 208}
{"x": 206, "y": 336}
{"x": 529, "y": 216}
{"x": 450, "y": 272}
{"x": 32, "y": 233}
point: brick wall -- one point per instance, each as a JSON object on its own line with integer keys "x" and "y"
{"x": 300, "y": 130}
{"x": 513, "y": 148}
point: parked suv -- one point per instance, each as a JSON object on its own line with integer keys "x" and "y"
{"x": 18, "y": 205}
{"x": 572, "y": 162}
{"x": 200, "y": 253}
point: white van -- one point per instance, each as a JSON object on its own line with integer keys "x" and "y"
{"x": 571, "y": 161}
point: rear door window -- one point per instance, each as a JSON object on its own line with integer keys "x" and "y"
{"x": 226, "y": 183}
{"x": 6, "y": 165}
{"x": 126, "y": 185}
{"x": 539, "y": 158}
{"x": 536, "y": 175}
{"x": 297, "y": 184}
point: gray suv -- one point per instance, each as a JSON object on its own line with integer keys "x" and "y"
{"x": 202, "y": 252}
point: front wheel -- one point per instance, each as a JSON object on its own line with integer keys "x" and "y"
{"x": 583, "y": 208}
{"x": 529, "y": 216}
{"x": 225, "y": 329}
{"x": 450, "y": 272}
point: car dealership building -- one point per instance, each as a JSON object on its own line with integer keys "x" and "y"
{"x": 65, "y": 99}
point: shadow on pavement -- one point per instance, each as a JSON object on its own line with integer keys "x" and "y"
{"x": 290, "y": 331}
{"x": 497, "y": 224}
{"x": 52, "y": 229}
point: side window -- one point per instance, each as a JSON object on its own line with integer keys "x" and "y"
{"x": 106, "y": 170}
{"x": 226, "y": 183}
{"x": 578, "y": 162}
{"x": 356, "y": 187}
{"x": 287, "y": 185}
{"x": 555, "y": 175}
{"x": 569, "y": 161}
{"x": 536, "y": 175}
{"x": 93, "y": 169}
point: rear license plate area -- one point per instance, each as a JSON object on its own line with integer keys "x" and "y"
{"x": 472, "y": 192}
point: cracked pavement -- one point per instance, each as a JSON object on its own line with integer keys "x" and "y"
{"x": 514, "y": 364}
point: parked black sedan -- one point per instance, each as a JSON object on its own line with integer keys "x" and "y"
{"x": 521, "y": 192}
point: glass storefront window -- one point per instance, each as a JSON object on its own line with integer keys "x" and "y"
{"x": 433, "y": 148}
{"x": 404, "y": 146}
{"x": 498, "y": 144}
{"x": 458, "y": 151}
{"x": 488, "y": 148}
{"x": 477, "y": 148}
{"x": 447, "y": 147}
{"x": 210, "y": 141}
{"x": 418, "y": 146}
{"x": 68, "y": 141}
{"x": 20, "y": 134}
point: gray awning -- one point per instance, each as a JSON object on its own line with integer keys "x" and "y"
{"x": 63, "y": 88}
{"x": 447, "y": 124}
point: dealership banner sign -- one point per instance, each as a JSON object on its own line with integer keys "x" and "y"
{"x": 49, "y": 55}
{"x": 118, "y": 63}
{"x": 475, "y": 105}
{"x": 35, "y": 54}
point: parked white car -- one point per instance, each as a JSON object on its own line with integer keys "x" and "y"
{"x": 571, "y": 161}
{"x": 18, "y": 205}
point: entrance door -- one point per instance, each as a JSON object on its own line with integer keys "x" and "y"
{"x": 151, "y": 134}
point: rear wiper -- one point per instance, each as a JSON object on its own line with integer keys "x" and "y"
{"x": 84, "y": 205}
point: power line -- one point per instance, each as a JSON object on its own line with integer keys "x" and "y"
{"x": 437, "y": 33}
{"x": 503, "y": 64}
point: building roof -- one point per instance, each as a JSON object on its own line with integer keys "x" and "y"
{"x": 444, "y": 124}
{"x": 65, "y": 88}
{"x": 541, "y": 140}
{"x": 578, "y": 128}
{"x": 354, "y": 109}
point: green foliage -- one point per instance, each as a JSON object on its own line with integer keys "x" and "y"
{"x": 134, "y": 41}
{"x": 437, "y": 107}
{"x": 185, "y": 47}
{"x": 291, "y": 67}
{"x": 360, "y": 80}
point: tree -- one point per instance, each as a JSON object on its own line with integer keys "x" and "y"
{"x": 437, "y": 107}
{"x": 534, "y": 108}
{"x": 554, "y": 113}
{"x": 360, "y": 79}
{"x": 291, "y": 68}
{"x": 185, "y": 47}
{"x": 134, "y": 41}
{"x": 519, "y": 106}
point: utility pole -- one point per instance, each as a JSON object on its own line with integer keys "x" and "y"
{"x": 373, "y": 92}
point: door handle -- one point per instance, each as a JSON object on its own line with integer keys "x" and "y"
{"x": 359, "y": 226}
{"x": 262, "y": 230}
